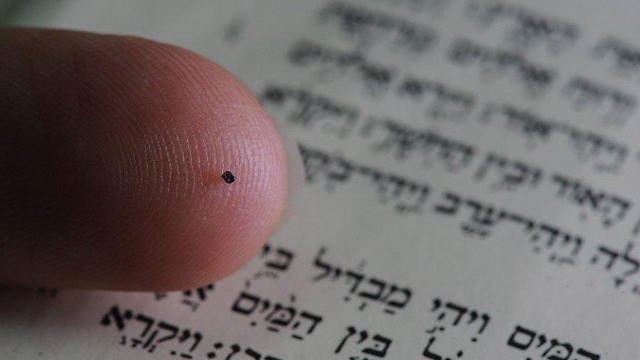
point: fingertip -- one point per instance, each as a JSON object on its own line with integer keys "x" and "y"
{"x": 137, "y": 140}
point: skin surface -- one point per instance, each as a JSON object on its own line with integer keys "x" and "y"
{"x": 111, "y": 155}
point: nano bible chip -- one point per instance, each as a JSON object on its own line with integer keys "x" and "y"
{"x": 228, "y": 177}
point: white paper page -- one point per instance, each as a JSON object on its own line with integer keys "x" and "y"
{"x": 472, "y": 187}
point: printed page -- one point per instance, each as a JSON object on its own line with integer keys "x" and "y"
{"x": 472, "y": 187}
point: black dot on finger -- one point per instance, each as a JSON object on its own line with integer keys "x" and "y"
{"x": 228, "y": 177}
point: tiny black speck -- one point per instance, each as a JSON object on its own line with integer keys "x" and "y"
{"x": 228, "y": 177}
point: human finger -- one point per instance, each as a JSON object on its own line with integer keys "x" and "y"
{"x": 112, "y": 151}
